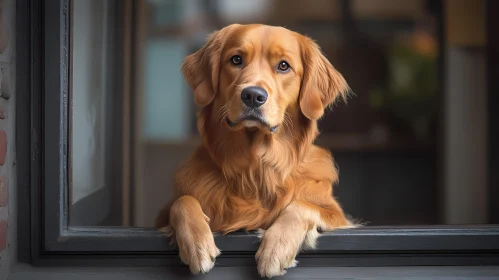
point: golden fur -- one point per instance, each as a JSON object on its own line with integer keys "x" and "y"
{"x": 247, "y": 177}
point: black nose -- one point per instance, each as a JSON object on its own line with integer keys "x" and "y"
{"x": 254, "y": 96}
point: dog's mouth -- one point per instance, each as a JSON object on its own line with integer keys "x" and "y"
{"x": 252, "y": 122}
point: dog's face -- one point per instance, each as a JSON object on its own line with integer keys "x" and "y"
{"x": 260, "y": 74}
{"x": 254, "y": 75}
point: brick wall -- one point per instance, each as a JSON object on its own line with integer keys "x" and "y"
{"x": 7, "y": 138}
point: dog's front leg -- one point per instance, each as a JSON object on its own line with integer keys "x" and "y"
{"x": 282, "y": 241}
{"x": 189, "y": 226}
{"x": 295, "y": 227}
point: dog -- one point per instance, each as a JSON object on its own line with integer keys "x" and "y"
{"x": 261, "y": 90}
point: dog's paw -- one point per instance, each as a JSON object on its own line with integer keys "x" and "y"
{"x": 276, "y": 253}
{"x": 199, "y": 254}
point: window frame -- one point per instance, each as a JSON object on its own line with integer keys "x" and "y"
{"x": 42, "y": 134}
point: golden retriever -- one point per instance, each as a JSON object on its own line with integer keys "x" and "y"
{"x": 261, "y": 90}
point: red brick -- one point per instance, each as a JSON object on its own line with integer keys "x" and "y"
{"x": 3, "y": 146}
{"x": 3, "y": 235}
{"x": 3, "y": 191}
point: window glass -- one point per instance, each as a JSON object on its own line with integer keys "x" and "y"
{"x": 91, "y": 111}
{"x": 410, "y": 148}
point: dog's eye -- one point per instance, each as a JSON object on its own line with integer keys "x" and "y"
{"x": 283, "y": 66}
{"x": 236, "y": 60}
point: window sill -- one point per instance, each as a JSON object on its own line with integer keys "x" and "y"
{"x": 23, "y": 272}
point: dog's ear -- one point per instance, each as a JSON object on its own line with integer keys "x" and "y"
{"x": 201, "y": 69}
{"x": 321, "y": 84}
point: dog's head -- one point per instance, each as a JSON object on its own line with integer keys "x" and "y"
{"x": 254, "y": 75}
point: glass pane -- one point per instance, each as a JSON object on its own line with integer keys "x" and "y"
{"x": 411, "y": 150}
{"x": 92, "y": 106}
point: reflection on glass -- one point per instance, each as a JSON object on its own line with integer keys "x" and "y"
{"x": 91, "y": 107}
{"x": 385, "y": 141}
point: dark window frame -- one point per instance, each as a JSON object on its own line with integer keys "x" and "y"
{"x": 46, "y": 239}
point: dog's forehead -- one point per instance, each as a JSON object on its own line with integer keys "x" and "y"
{"x": 265, "y": 38}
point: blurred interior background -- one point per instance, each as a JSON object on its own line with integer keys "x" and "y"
{"x": 411, "y": 146}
